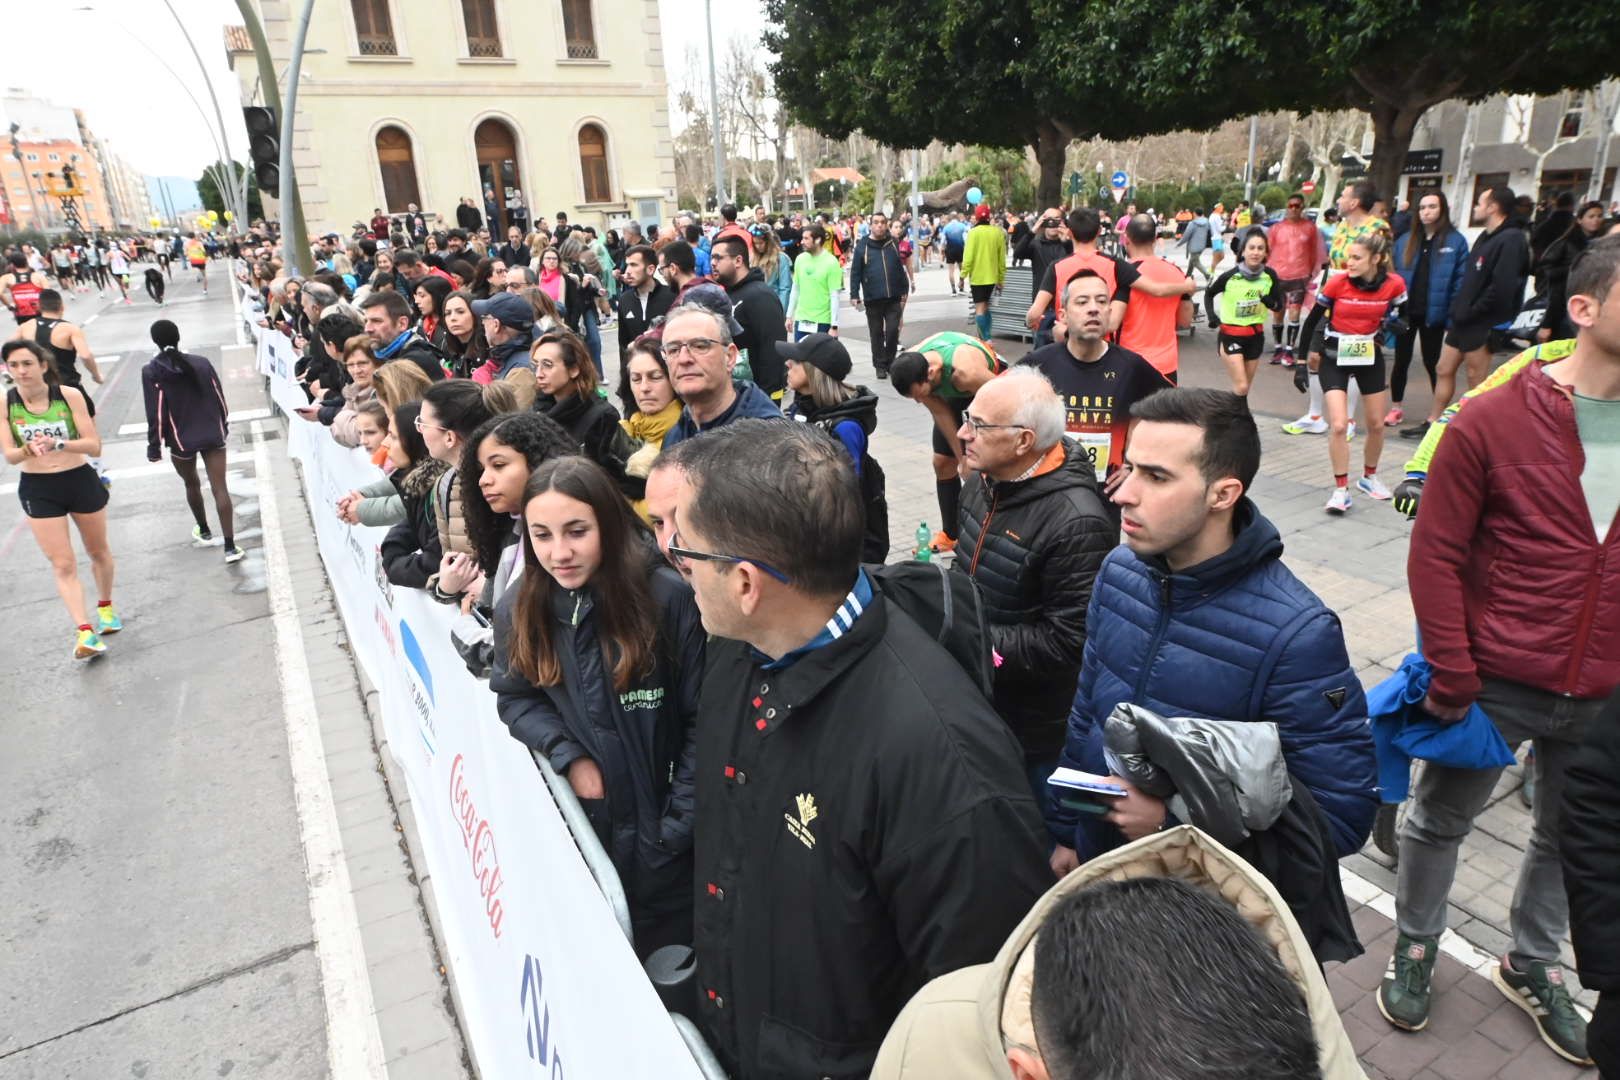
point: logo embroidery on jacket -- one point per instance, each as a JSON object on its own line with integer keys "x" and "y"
{"x": 1336, "y": 696}
{"x": 800, "y": 826}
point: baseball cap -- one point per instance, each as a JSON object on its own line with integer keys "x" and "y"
{"x": 981, "y": 212}
{"x": 509, "y": 308}
{"x": 818, "y": 350}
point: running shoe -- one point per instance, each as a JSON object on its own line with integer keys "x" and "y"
{"x": 1403, "y": 997}
{"x": 1288, "y": 360}
{"x": 87, "y": 646}
{"x": 1541, "y": 993}
{"x": 108, "y": 619}
{"x": 1350, "y": 432}
{"x": 1416, "y": 431}
{"x": 1307, "y": 425}
{"x": 1395, "y": 415}
{"x": 1373, "y": 488}
{"x": 1277, "y": 354}
{"x": 201, "y": 537}
{"x": 1339, "y": 501}
{"x": 941, "y": 544}
{"x": 234, "y": 554}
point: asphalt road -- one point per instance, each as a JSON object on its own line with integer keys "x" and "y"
{"x": 154, "y": 918}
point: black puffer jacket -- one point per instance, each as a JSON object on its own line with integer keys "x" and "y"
{"x": 593, "y": 423}
{"x": 643, "y": 739}
{"x": 410, "y": 552}
{"x": 1034, "y": 547}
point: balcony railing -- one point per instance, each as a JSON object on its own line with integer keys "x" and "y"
{"x": 378, "y": 45}
{"x": 488, "y": 47}
{"x": 582, "y": 50}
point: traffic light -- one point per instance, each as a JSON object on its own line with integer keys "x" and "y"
{"x": 264, "y": 147}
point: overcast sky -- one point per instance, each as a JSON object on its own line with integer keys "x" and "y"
{"x": 107, "y": 57}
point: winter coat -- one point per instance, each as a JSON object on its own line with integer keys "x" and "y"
{"x": 751, "y": 404}
{"x": 754, "y": 305}
{"x": 959, "y": 1025}
{"x": 877, "y": 272}
{"x": 185, "y": 404}
{"x": 1508, "y": 578}
{"x": 1195, "y": 237}
{"x": 447, "y": 519}
{"x": 1553, "y": 273}
{"x": 642, "y": 738}
{"x": 416, "y": 350}
{"x": 593, "y": 423}
{"x": 852, "y": 422}
{"x": 863, "y": 825}
{"x": 1237, "y": 637}
{"x": 1492, "y": 288}
{"x": 638, "y": 313}
{"x": 1034, "y": 547}
{"x": 1448, "y": 262}
{"x": 381, "y": 504}
{"x": 346, "y": 423}
{"x": 410, "y": 552}
{"x": 1590, "y": 847}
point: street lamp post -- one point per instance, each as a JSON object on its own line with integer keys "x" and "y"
{"x": 16, "y": 152}
{"x": 714, "y": 113}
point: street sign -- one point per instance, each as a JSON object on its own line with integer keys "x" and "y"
{"x": 1308, "y": 186}
{"x": 1119, "y": 179}
{"x": 1074, "y": 183}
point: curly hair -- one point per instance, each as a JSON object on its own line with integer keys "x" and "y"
{"x": 538, "y": 438}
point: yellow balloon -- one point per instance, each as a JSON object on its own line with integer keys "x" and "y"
{"x": 157, "y": 222}
{"x": 229, "y": 216}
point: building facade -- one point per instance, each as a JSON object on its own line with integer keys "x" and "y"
{"x": 38, "y": 138}
{"x": 527, "y": 107}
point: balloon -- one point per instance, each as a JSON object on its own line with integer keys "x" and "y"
{"x": 157, "y": 223}
{"x": 974, "y": 196}
{"x": 229, "y": 216}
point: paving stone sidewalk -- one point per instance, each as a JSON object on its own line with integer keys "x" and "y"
{"x": 1357, "y": 565}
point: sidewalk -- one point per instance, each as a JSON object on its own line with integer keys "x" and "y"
{"x": 1357, "y": 565}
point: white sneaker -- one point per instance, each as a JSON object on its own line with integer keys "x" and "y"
{"x": 1307, "y": 425}
{"x": 1373, "y": 488}
{"x": 1339, "y": 502}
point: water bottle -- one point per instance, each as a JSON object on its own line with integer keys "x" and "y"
{"x": 925, "y": 553}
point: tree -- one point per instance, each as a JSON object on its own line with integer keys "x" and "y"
{"x": 208, "y": 189}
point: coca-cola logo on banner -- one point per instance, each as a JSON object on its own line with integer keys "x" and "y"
{"x": 479, "y": 839}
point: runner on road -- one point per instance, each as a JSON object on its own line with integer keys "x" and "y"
{"x": 1151, "y": 322}
{"x": 118, "y": 266}
{"x": 942, "y": 373}
{"x": 984, "y": 265}
{"x": 1298, "y": 254}
{"x": 1236, "y": 303}
{"x": 954, "y": 234}
{"x": 47, "y": 434}
{"x": 20, "y": 288}
{"x": 186, "y": 410}
{"x": 67, "y": 345}
{"x": 197, "y": 256}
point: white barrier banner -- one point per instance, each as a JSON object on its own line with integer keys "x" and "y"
{"x": 549, "y": 987}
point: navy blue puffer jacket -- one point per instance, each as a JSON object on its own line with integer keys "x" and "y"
{"x": 1448, "y": 261}
{"x": 1235, "y": 638}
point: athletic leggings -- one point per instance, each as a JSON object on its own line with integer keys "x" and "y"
{"x": 154, "y": 288}
{"x": 214, "y": 463}
{"x": 1429, "y": 338}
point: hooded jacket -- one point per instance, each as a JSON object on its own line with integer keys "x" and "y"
{"x": 185, "y": 404}
{"x": 960, "y": 1025}
{"x": 415, "y": 349}
{"x": 1034, "y": 547}
{"x": 877, "y": 272}
{"x": 852, "y": 422}
{"x": 1237, "y": 637}
{"x": 754, "y": 305}
{"x": 1493, "y": 285}
{"x": 863, "y": 825}
{"x": 643, "y": 738}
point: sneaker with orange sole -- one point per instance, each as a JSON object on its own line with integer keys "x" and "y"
{"x": 941, "y": 544}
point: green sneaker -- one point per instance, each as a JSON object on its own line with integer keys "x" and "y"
{"x": 108, "y": 619}
{"x": 86, "y": 645}
{"x": 1541, "y": 993}
{"x": 1403, "y": 997}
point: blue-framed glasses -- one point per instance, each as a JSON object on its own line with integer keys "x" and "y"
{"x": 680, "y": 554}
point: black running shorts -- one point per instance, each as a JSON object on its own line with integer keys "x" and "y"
{"x": 54, "y": 495}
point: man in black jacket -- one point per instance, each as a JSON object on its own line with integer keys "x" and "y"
{"x": 1491, "y": 291}
{"x": 755, "y": 307}
{"x": 862, "y": 821}
{"x": 514, "y": 252}
{"x": 1590, "y": 846}
{"x": 1035, "y": 561}
{"x": 468, "y": 217}
{"x": 1046, "y": 245}
{"x": 643, "y": 300}
{"x": 388, "y": 324}
{"x": 879, "y": 283}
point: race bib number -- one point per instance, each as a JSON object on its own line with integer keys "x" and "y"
{"x": 1247, "y": 309}
{"x": 806, "y": 327}
{"x": 1097, "y": 445}
{"x": 1357, "y": 350}
{"x": 51, "y": 429}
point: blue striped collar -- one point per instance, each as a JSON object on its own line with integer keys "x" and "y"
{"x": 858, "y": 600}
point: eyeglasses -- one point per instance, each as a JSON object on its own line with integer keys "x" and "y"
{"x": 422, "y": 425}
{"x": 980, "y": 426}
{"x": 681, "y": 554}
{"x": 698, "y": 347}
{"x": 512, "y": 286}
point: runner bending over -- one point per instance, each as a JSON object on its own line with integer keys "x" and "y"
{"x": 47, "y": 434}
{"x": 1358, "y": 306}
{"x": 942, "y": 373}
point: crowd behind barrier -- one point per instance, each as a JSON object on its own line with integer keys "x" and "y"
{"x": 547, "y": 980}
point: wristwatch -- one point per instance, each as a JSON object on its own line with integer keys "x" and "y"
{"x": 61, "y": 444}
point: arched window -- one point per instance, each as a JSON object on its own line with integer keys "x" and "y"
{"x": 499, "y": 176}
{"x": 482, "y": 37}
{"x": 374, "y": 28}
{"x": 593, "y": 164}
{"x": 398, "y": 165}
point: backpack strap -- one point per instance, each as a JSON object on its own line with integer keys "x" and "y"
{"x": 947, "y": 604}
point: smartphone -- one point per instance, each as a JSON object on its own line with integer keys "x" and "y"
{"x": 1084, "y": 791}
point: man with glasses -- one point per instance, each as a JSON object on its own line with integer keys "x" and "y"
{"x": 1298, "y": 254}
{"x": 862, "y": 821}
{"x": 1098, "y": 380}
{"x": 1035, "y": 566}
{"x": 700, "y": 352}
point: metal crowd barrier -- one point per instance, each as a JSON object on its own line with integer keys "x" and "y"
{"x": 607, "y": 879}
{"x": 1008, "y": 310}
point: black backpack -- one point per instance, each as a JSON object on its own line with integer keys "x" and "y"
{"x": 947, "y": 606}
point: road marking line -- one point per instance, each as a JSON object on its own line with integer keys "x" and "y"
{"x": 353, "y": 1040}
{"x": 158, "y": 468}
{"x": 233, "y": 418}
{"x": 113, "y": 359}
{"x": 1358, "y": 890}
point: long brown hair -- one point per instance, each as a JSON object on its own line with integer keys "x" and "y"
{"x": 1415, "y": 232}
{"x": 626, "y": 618}
{"x": 582, "y": 372}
